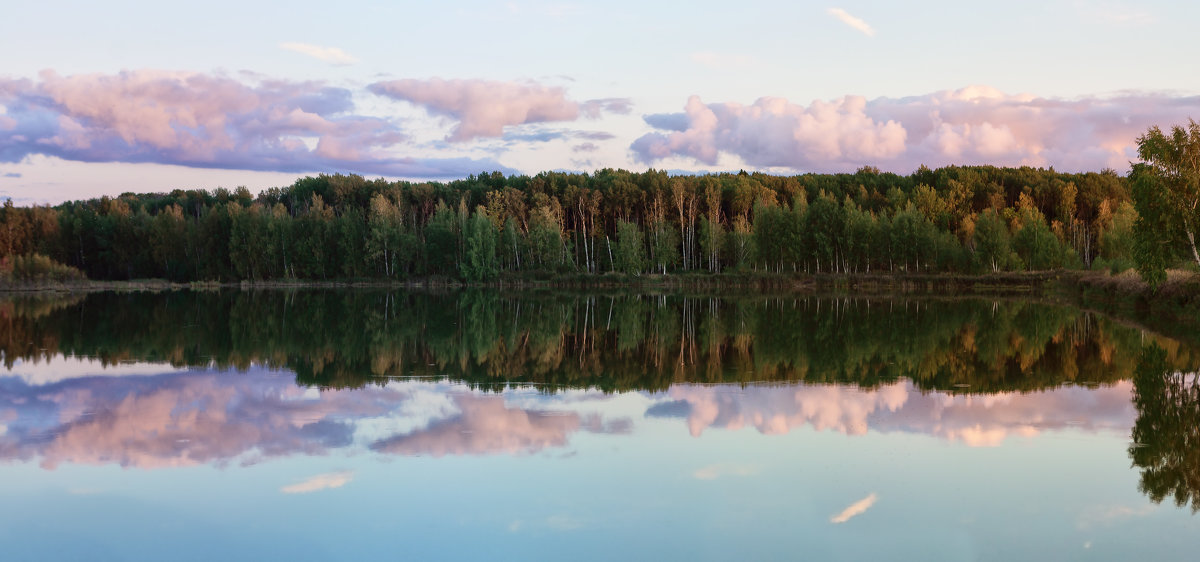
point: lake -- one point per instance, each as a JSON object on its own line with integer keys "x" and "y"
{"x": 356, "y": 424}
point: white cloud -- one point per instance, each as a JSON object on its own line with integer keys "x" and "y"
{"x": 327, "y": 481}
{"x": 856, "y": 508}
{"x": 851, "y": 21}
{"x": 331, "y": 55}
{"x": 976, "y": 125}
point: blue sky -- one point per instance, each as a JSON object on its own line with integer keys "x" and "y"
{"x": 149, "y": 96}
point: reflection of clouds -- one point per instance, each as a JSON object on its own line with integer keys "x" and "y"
{"x": 856, "y": 508}
{"x": 177, "y": 420}
{"x": 1108, "y": 515}
{"x": 181, "y": 419}
{"x": 327, "y": 481}
{"x": 486, "y": 425}
{"x": 63, "y": 368}
{"x": 976, "y": 420}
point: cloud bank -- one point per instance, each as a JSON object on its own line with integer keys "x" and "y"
{"x": 205, "y": 121}
{"x": 975, "y": 421}
{"x": 974, "y": 125}
{"x": 483, "y": 108}
{"x": 190, "y": 418}
{"x": 486, "y": 425}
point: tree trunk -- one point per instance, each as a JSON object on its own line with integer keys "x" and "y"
{"x": 1191, "y": 236}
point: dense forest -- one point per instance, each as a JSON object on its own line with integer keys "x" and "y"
{"x": 954, "y": 219}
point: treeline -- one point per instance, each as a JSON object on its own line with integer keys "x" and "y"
{"x": 954, "y": 219}
{"x": 615, "y": 342}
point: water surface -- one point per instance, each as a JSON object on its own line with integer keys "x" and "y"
{"x": 323, "y": 425}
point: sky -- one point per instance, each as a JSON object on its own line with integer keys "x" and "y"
{"x": 122, "y": 96}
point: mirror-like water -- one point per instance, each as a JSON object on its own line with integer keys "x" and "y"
{"x": 340, "y": 425}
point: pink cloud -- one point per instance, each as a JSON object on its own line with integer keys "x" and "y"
{"x": 207, "y": 121}
{"x": 486, "y": 425}
{"x": 975, "y": 420}
{"x": 483, "y": 108}
{"x": 179, "y": 419}
{"x": 974, "y": 125}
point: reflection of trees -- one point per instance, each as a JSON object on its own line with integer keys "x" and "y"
{"x": 608, "y": 341}
{"x": 1166, "y": 436}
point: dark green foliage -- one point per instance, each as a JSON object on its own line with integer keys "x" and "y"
{"x": 480, "y": 263}
{"x": 951, "y": 219}
{"x": 1166, "y": 192}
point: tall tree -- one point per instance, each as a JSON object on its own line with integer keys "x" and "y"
{"x": 1166, "y": 191}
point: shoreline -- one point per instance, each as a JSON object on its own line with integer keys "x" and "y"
{"x": 858, "y": 283}
{"x": 1174, "y": 306}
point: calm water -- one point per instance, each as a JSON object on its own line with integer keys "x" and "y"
{"x": 320, "y": 425}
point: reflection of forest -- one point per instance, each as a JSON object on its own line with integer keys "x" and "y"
{"x": 612, "y": 342}
{"x": 1166, "y": 436}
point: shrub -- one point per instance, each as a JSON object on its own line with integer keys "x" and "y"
{"x": 36, "y": 268}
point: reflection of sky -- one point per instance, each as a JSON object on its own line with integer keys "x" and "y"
{"x": 185, "y": 418}
{"x": 433, "y": 470}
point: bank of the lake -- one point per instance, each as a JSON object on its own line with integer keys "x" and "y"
{"x": 1172, "y": 307}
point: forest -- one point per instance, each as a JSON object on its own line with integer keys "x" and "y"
{"x": 343, "y": 227}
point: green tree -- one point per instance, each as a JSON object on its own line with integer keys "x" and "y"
{"x": 441, "y": 241}
{"x": 479, "y": 239}
{"x": 629, "y": 256}
{"x": 1166, "y": 192}
{"x": 666, "y": 248}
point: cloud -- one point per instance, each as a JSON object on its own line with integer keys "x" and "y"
{"x": 207, "y": 121}
{"x": 775, "y": 132}
{"x": 856, "y": 508}
{"x": 483, "y": 108}
{"x": 534, "y": 136}
{"x": 327, "y": 481}
{"x": 585, "y": 147}
{"x": 668, "y": 121}
{"x": 594, "y": 108}
{"x": 974, "y": 125}
{"x": 975, "y": 421}
{"x": 851, "y": 21}
{"x": 11, "y": 175}
{"x": 332, "y": 55}
{"x": 593, "y": 135}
